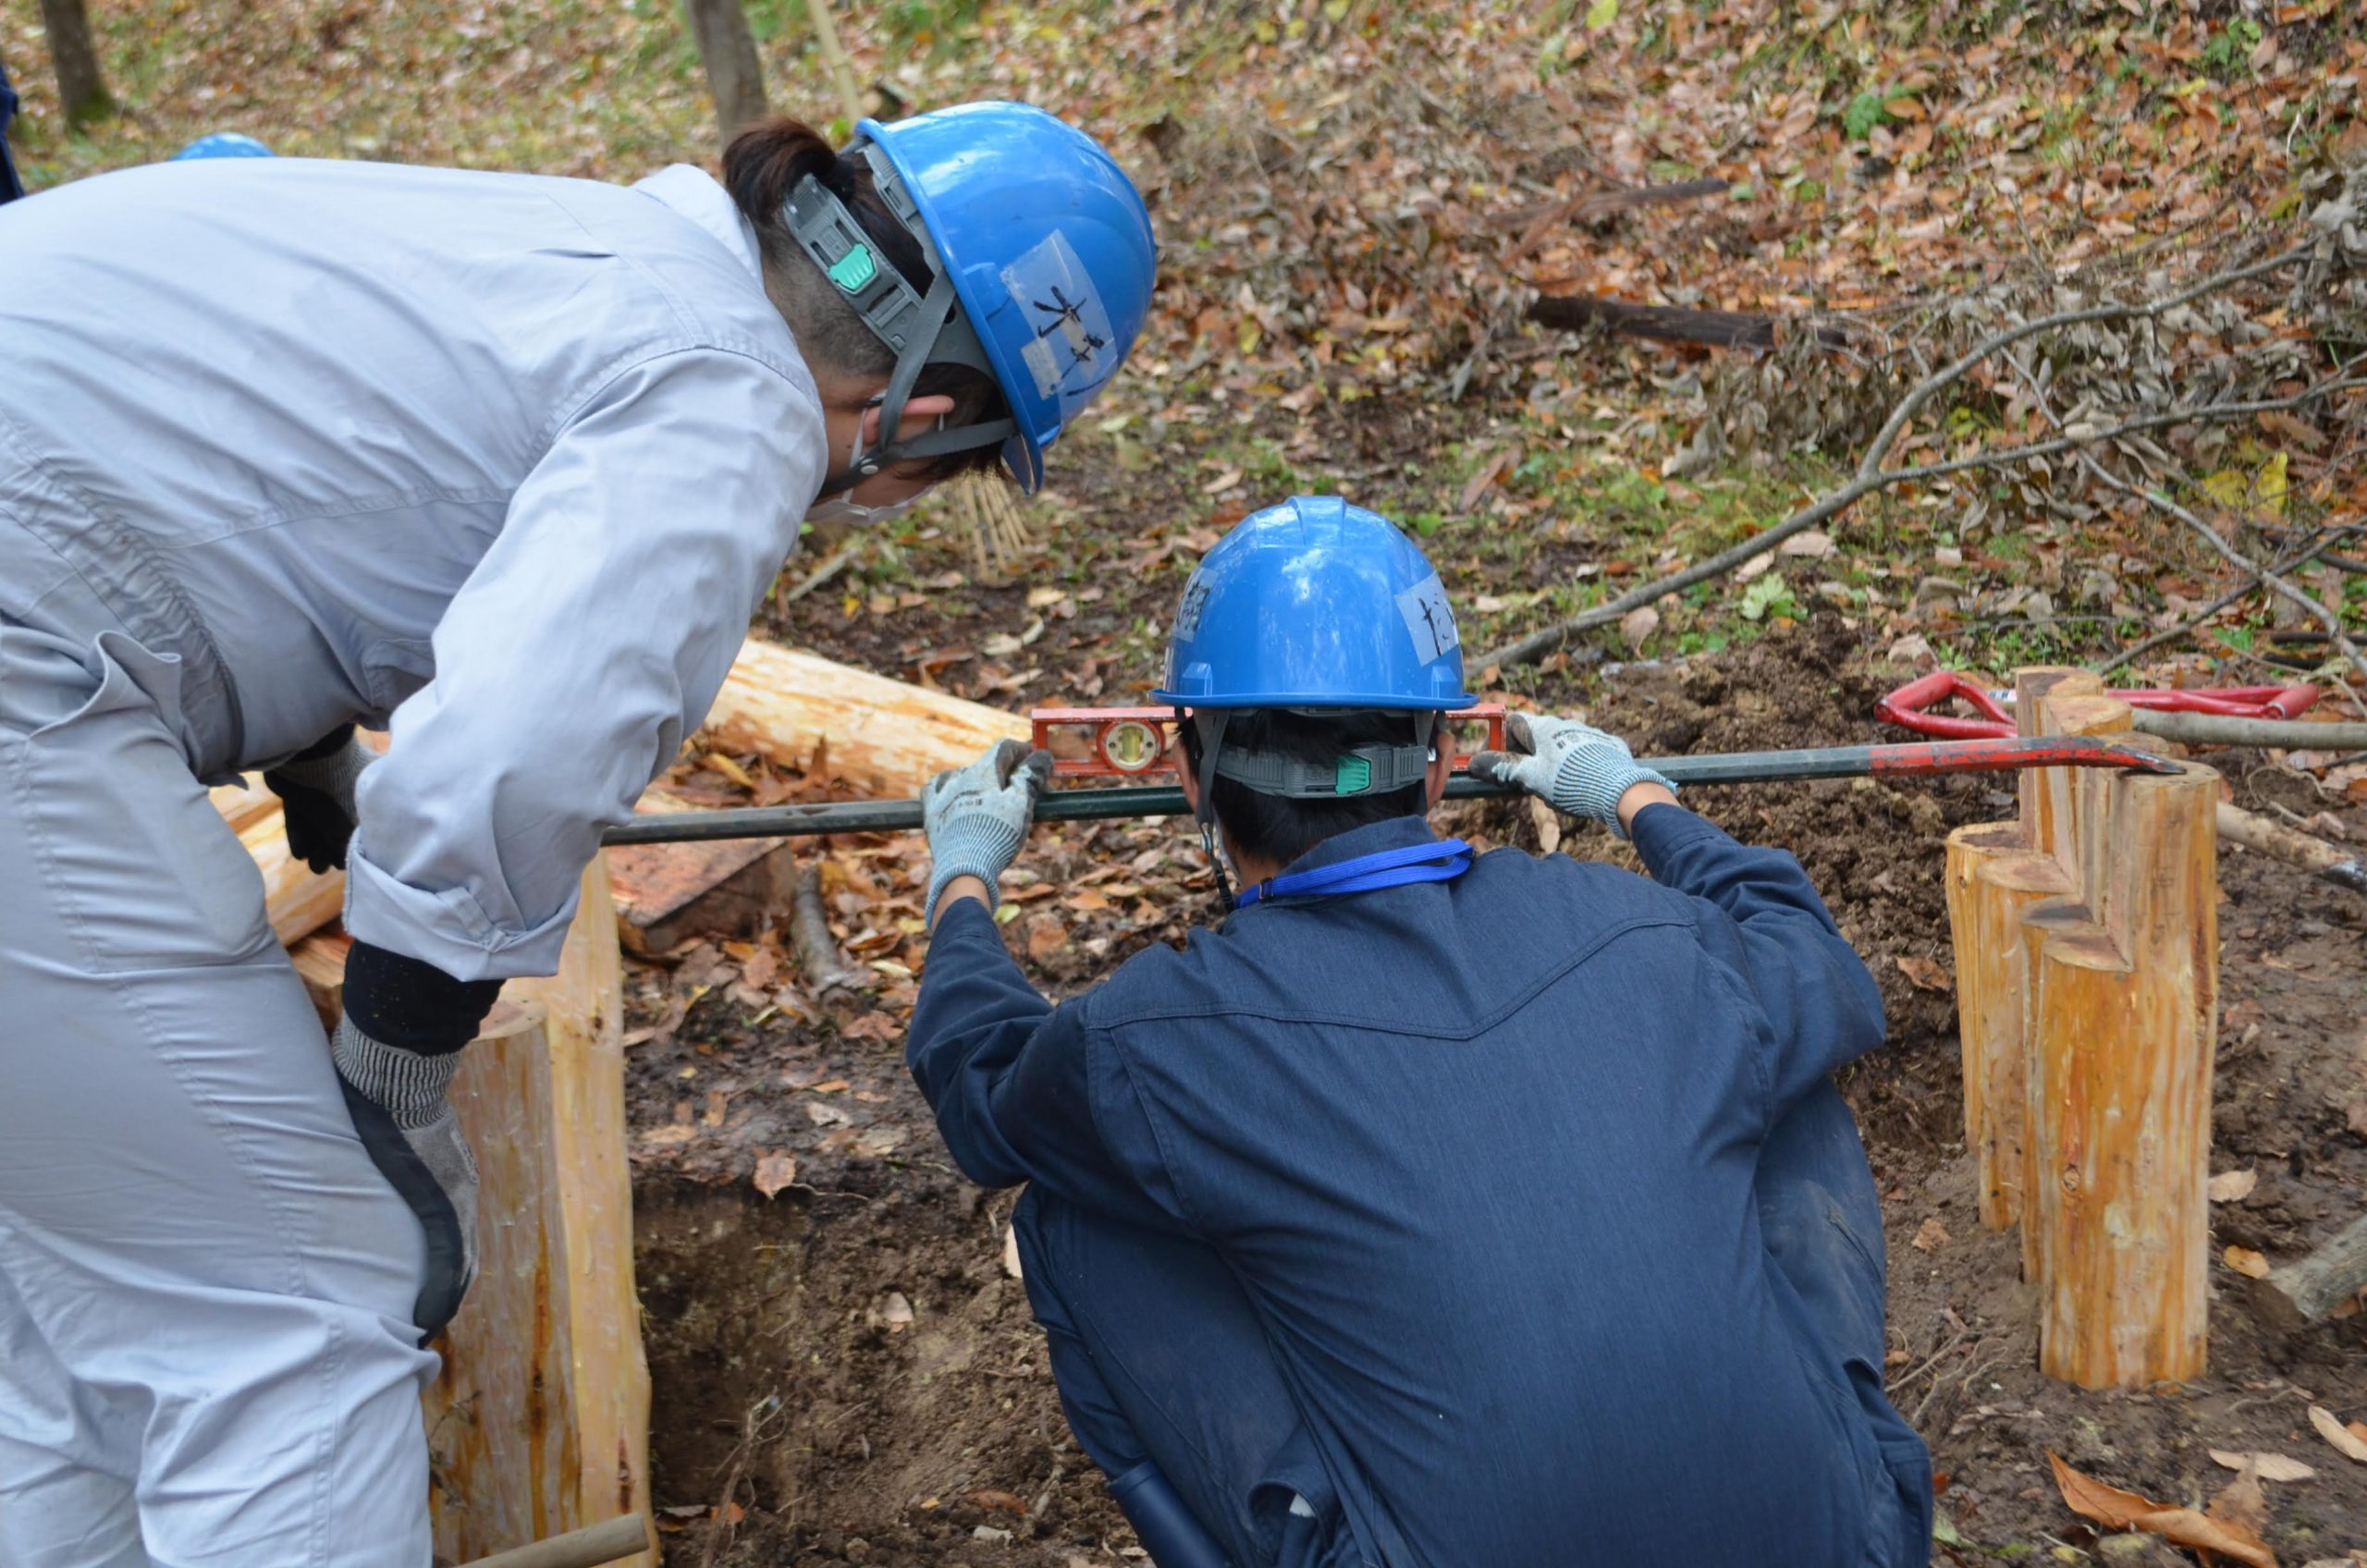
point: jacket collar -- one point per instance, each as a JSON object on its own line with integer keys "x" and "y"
{"x": 695, "y": 195}
{"x": 1371, "y": 839}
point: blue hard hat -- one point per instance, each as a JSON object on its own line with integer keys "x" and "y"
{"x": 1314, "y": 602}
{"x": 1050, "y": 248}
{"x": 223, "y": 144}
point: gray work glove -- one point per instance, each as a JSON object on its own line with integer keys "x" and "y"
{"x": 976, "y": 817}
{"x": 397, "y": 1099}
{"x": 1575, "y": 768}
{"x": 315, "y": 788}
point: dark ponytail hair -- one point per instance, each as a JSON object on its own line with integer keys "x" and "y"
{"x": 761, "y": 166}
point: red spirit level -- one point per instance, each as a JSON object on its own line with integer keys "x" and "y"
{"x": 1131, "y": 742}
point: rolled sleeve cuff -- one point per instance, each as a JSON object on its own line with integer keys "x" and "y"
{"x": 447, "y": 929}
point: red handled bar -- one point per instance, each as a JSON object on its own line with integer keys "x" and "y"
{"x": 1910, "y": 706}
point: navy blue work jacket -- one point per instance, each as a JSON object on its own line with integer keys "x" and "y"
{"x": 1480, "y": 1152}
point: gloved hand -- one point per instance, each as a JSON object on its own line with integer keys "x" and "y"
{"x": 315, "y": 788}
{"x": 397, "y": 1050}
{"x": 976, "y": 816}
{"x": 1573, "y": 767}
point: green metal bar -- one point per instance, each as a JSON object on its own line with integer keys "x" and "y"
{"x": 1919, "y": 759}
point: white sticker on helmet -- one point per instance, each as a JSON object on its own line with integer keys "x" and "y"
{"x": 1187, "y": 614}
{"x": 1070, "y": 345}
{"x": 1428, "y": 618}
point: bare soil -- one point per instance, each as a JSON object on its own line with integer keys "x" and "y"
{"x": 845, "y": 1372}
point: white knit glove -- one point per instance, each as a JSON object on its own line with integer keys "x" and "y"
{"x": 398, "y": 1101}
{"x": 978, "y": 816}
{"x": 1575, "y": 768}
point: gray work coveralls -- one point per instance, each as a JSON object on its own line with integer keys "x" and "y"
{"x": 507, "y": 461}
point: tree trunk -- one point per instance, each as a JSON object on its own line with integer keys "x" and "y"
{"x": 734, "y": 74}
{"x": 80, "y": 88}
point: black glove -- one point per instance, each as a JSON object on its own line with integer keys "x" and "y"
{"x": 316, "y": 789}
{"x": 397, "y": 1050}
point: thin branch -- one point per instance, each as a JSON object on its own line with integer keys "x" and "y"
{"x": 1922, "y": 392}
{"x": 2237, "y": 559}
{"x": 2258, "y": 574}
{"x": 2136, "y": 651}
{"x": 1538, "y": 644}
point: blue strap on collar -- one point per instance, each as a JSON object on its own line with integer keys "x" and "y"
{"x": 1441, "y": 861}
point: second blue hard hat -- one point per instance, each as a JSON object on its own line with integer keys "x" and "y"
{"x": 224, "y": 145}
{"x": 1314, "y": 602}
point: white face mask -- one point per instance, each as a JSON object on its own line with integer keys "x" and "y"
{"x": 837, "y": 508}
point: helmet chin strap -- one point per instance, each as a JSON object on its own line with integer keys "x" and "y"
{"x": 920, "y": 329}
{"x": 1211, "y": 724}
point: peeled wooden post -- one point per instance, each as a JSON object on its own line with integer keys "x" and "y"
{"x": 1996, "y": 872}
{"x": 2086, "y": 954}
{"x": 2122, "y": 1017}
{"x": 539, "y": 1420}
{"x": 1993, "y": 880}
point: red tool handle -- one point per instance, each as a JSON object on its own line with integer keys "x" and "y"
{"x": 1904, "y": 707}
{"x": 1909, "y": 706}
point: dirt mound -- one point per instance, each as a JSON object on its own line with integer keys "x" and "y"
{"x": 848, "y": 1375}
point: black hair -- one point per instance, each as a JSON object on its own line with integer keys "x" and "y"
{"x": 1281, "y": 829}
{"x": 761, "y": 166}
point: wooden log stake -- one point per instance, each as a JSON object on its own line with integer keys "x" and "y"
{"x": 1992, "y": 882}
{"x": 1996, "y": 872}
{"x": 2122, "y": 1018}
{"x": 2087, "y": 945}
{"x": 539, "y": 1420}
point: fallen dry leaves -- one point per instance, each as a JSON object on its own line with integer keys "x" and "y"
{"x": 2269, "y": 1466}
{"x": 1927, "y": 974}
{"x": 2349, "y": 1441}
{"x": 2245, "y": 1261}
{"x": 2230, "y": 1186}
{"x": 774, "y": 1171}
{"x": 2117, "y": 1510}
{"x": 1931, "y": 1236}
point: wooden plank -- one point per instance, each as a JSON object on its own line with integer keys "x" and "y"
{"x": 667, "y": 893}
{"x": 539, "y": 1420}
{"x": 297, "y": 900}
{"x": 320, "y": 963}
{"x": 242, "y": 805}
{"x": 882, "y": 736}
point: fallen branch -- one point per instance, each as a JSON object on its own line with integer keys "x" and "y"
{"x": 2327, "y": 1278}
{"x": 1538, "y": 644}
{"x": 2222, "y": 730}
{"x": 827, "y": 970}
{"x": 827, "y": 571}
{"x": 1596, "y": 204}
{"x": 2194, "y": 623}
{"x": 1872, "y": 476}
{"x": 2275, "y": 581}
{"x": 1666, "y": 324}
{"x": 2316, "y": 856}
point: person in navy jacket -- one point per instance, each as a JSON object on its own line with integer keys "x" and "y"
{"x": 1438, "y": 1209}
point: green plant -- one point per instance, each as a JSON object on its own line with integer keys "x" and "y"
{"x": 1770, "y": 595}
{"x": 1867, "y": 110}
{"x": 2231, "y": 48}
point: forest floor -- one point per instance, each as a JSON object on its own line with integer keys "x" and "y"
{"x": 1354, "y": 202}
